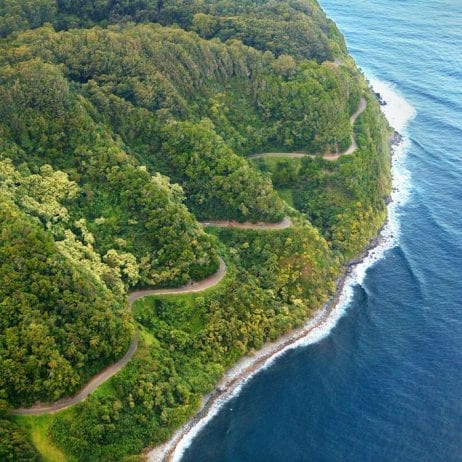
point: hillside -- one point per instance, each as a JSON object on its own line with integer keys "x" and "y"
{"x": 123, "y": 125}
{"x": 299, "y": 28}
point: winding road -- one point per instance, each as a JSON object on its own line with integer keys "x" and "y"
{"x": 106, "y": 374}
{"x": 285, "y": 223}
{"x": 293, "y": 155}
{"x": 197, "y": 286}
{"x": 92, "y": 385}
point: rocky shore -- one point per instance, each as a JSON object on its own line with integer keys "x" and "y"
{"x": 238, "y": 375}
{"x": 248, "y": 366}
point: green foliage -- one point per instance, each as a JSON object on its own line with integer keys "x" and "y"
{"x": 18, "y": 15}
{"x": 129, "y": 214}
{"x": 344, "y": 199}
{"x": 174, "y": 247}
{"x": 15, "y": 445}
{"x": 254, "y": 100}
{"x": 38, "y": 430}
{"x": 114, "y": 140}
{"x": 218, "y": 183}
{"x": 279, "y": 278}
{"x": 299, "y": 28}
{"x": 134, "y": 224}
{"x": 51, "y": 316}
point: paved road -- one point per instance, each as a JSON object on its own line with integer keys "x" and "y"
{"x": 285, "y": 223}
{"x": 106, "y": 374}
{"x": 292, "y": 155}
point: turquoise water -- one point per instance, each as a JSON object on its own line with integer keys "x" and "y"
{"x": 385, "y": 383}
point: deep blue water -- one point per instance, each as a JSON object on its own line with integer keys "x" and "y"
{"x": 386, "y": 384}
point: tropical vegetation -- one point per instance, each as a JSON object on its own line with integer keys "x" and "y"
{"x": 123, "y": 125}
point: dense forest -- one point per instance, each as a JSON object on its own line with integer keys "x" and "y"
{"x": 345, "y": 199}
{"x": 123, "y": 125}
{"x": 295, "y": 27}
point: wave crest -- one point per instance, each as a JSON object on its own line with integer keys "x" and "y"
{"x": 398, "y": 112}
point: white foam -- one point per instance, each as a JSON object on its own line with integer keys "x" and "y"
{"x": 398, "y": 112}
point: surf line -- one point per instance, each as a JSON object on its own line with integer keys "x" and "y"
{"x": 246, "y": 368}
{"x": 324, "y": 320}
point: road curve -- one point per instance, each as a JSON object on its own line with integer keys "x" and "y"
{"x": 106, "y": 374}
{"x": 285, "y": 223}
{"x": 192, "y": 287}
{"x": 196, "y": 286}
{"x": 92, "y": 385}
{"x": 293, "y": 155}
{"x": 354, "y": 145}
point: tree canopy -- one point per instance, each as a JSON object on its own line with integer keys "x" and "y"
{"x": 123, "y": 124}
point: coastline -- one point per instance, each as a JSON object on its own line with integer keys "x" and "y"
{"x": 398, "y": 112}
{"x": 248, "y": 366}
{"x": 234, "y": 378}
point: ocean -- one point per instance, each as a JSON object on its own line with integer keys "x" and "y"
{"x": 382, "y": 380}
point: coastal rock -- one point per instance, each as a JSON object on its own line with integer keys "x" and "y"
{"x": 381, "y": 101}
{"x": 396, "y": 139}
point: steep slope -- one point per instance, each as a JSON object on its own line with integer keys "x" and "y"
{"x": 116, "y": 137}
{"x": 131, "y": 216}
{"x": 253, "y": 98}
{"x": 52, "y": 314}
{"x": 299, "y": 28}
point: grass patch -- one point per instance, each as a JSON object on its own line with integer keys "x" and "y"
{"x": 38, "y": 427}
{"x": 182, "y": 311}
{"x": 145, "y": 337}
{"x": 284, "y": 172}
{"x": 270, "y": 164}
{"x": 105, "y": 389}
{"x": 287, "y": 195}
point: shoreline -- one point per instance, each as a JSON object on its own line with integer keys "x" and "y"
{"x": 399, "y": 113}
{"x": 249, "y": 365}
